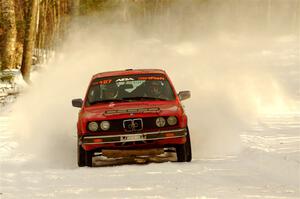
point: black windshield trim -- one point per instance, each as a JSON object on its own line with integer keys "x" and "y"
{"x": 131, "y": 77}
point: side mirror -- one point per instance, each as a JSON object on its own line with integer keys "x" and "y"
{"x": 183, "y": 95}
{"x": 77, "y": 103}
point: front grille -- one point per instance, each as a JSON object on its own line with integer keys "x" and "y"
{"x": 132, "y": 125}
{"x": 125, "y": 125}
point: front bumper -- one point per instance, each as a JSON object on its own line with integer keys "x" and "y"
{"x": 134, "y": 137}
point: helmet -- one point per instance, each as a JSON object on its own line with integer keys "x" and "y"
{"x": 154, "y": 88}
{"x": 110, "y": 91}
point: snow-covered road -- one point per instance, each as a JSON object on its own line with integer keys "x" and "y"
{"x": 245, "y": 102}
{"x": 267, "y": 167}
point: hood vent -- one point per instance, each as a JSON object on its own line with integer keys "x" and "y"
{"x": 134, "y": 110}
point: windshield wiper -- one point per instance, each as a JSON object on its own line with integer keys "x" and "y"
{"x": 126, "y": 99}
{"x": 143, "y": 98}
{"x": 106, "y": 100}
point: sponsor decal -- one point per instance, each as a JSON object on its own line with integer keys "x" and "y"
{"x": 105, "y": 81}
{"x": 125, "y": 79}
{"x": 151, "y": 78}
{"x": 102, "y": 82}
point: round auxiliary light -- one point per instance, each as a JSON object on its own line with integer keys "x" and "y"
{"x": 172, "y": 120}
{"x": 93, "y": 126}
{"x": 104, "y": 125}
{"x": 160, "y": 122}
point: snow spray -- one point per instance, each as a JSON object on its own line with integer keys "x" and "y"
{"x": 232, "y": 74}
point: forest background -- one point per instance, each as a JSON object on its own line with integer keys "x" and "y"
{"x": 31, "y": 30}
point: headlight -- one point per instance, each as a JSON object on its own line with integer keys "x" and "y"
{"x": 160, "y": 122}
{"x": 172, "y": 120}
{"x": 105, "y": 125}
{"x": 93, "y": 126}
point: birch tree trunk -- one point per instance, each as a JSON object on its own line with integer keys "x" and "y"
{"x": 9, "y": 23}
{"x": 29, "y": 39}
{"x": 76, "y": 8}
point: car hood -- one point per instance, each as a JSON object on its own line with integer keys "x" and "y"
{"x": 122, "y": 110}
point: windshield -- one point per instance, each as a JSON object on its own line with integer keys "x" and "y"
{"x": 130, "y": 88}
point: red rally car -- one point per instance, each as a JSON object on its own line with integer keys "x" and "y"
{"x": 135, "y": 112}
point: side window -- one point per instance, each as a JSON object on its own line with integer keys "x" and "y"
{"x": 94, "y": 93}
{"x": 168, "y": 91}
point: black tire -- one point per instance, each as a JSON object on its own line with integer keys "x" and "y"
{"x": 89, "y": 158}
{"x": 184, "y": 151}
{"x": 80, "y": 155}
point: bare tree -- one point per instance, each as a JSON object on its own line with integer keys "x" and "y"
{"x": 76, "y": 7}
{"x": 29, "y": 39}
{"x": 9, "y": 25}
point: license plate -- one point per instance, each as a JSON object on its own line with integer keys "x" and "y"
{"x": 130, "y": 138}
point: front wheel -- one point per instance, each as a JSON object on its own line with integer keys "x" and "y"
{"x": 84, "y": 158}
{"x": 80, "y": 155}
{"x": 89, "y": 158}
{"x": 184, "y": 151}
